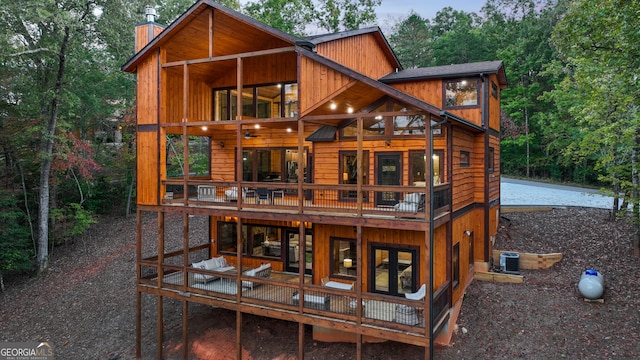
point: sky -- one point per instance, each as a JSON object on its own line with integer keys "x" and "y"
{"x": 390, "y": 11}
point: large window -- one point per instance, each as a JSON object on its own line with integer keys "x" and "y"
{"x": 265, "y": 101}
{"x": 349, "y": 171}
{"x": 417, "y": 162}
{"x": 461, "y": 93}
{"x": 271, "y": 165}
{"x": 259, "y": 241}
{"x": 343, "y": 257}
{"x": 199, "y": 156}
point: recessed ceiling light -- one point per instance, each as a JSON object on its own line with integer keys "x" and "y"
{"x": 257, "y": 126}
{"x": 204, "y": 128}
{"x": 350, "y": 110}
{"x": 333, "y": 106}
{"x": 289, "y": 130}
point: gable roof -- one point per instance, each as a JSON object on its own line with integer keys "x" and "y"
{"x": 374, "y": 30}
{"x": 380, "y": 87}
{"x": 449, "y": 71}
{"x": 192, "y": 14}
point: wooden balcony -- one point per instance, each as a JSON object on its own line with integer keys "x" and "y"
{"x": 279, "y": 294}
{"x": 405, "y": 202}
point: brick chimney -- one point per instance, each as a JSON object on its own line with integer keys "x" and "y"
{"x": 147, "y": 31}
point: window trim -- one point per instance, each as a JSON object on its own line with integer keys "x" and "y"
{"x": 465, "y": 158}
{"x": 332, "y": 259}
{"x": 365, "y": 162}
{"x": 444, "y": 94}
{"x": 254, "y": 91}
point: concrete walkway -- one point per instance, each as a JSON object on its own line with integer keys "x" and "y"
{"x": 521, "y": 192}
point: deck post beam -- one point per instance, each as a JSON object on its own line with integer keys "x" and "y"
{"x": 160, "y": 326}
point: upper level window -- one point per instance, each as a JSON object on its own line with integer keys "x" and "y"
{"x": 263, "y": 101}
{"x": 461, "y": 93}
{"x": 491, "y": 160}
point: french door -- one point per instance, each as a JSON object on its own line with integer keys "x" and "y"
{"x": 393, "y": 271}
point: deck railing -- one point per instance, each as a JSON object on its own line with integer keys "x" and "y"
{"x": 395, "y": 201}
{"x": 282, "y": 292}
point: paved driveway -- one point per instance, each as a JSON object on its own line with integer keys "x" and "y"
{"x": 521, "y": 192}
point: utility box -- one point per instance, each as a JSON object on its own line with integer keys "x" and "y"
{"x": 510, "y": 263}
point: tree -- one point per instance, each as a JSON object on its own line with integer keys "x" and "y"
{"x": 337, "y": 15}
{"x": 292, "y": 17}
{"x": 599, "y": 43}
{"x": 411, "y": 41}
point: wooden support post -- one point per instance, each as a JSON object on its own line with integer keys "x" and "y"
{"x": 300, "y": 341}
{"x": 239, "y": 335}
{"x": 138, "y": 293}
{"x": 185, "y": 329}
{"x": 138, "y": 325}
{"x": 160, "y": 327}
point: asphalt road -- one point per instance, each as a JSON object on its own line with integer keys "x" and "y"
{"x": 522, "y": 192}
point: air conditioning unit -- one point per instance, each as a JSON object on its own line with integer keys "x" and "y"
{"x": 510, "y": 263}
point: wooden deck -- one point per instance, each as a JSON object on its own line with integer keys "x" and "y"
{"x": 387, "y": 317}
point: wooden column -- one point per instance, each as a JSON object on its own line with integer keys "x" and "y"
{"x": 239, "y": 135}
{"x": 185, "y": 133}
{"x": 359, "y": 286}
{"x": 300, "y": 341}
{"x": 428, "y": 240}
{"x": 138, "y": 293}
{"x": 360, "y": 171}
{"x": 160, "y": 321}
{"x": 185, "y": 284}
{"x": 185, "y": 329}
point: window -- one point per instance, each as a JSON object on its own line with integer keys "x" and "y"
{"x": 490, "y": 159}
{"x": 348, "y": 168}
{"x": 259, "y": 241}
{"x": 464, "y": 158}
{"x": 438, "y": 167}
{"x": 417, "y": 167}
{"x": 409, "y": 125}
{"x": 461, "y": 93}
{"x": 494, "y": 90}
{"x": 199, "y": 156}
{"x": 271, "y": 165}
{"x": 343, "y": 257}
{"x": 456, "y": 265}
{"x": 264, "y": 101}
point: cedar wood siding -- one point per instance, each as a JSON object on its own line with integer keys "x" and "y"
{"x": 431, "y": 91}
{"x": 361, "y": 53}
{"x": 318, "y": 83}
{"x": 147, "y": 147}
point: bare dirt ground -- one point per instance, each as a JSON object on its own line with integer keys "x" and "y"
{"x": 85, "y": 305}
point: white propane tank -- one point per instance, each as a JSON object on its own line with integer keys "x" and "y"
{"x": 591, "y": 284}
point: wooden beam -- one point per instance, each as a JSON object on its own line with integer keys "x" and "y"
{"x": 230, "y": 57}
{"x": 498, "y": 277}
{"x": 532, "y": 261}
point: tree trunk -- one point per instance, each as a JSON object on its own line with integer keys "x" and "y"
{"x": 46, "y": 153}
{"x": 131, "y": 186}
{"x": 636, "y": 193}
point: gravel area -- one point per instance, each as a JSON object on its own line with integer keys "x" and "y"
{"x": 85, "y": 305}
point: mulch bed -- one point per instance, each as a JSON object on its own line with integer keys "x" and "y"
{"x": 85, "y": 305}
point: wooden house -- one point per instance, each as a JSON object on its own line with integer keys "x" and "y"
{"x": 338, "y": 190}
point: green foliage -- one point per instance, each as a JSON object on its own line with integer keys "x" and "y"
{"x": 71, "y": 221}
{"x": 15, "y": 249}
{"x": 289, "y": 16}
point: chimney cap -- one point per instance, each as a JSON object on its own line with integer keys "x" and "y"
{"x": 151, "y": 13}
